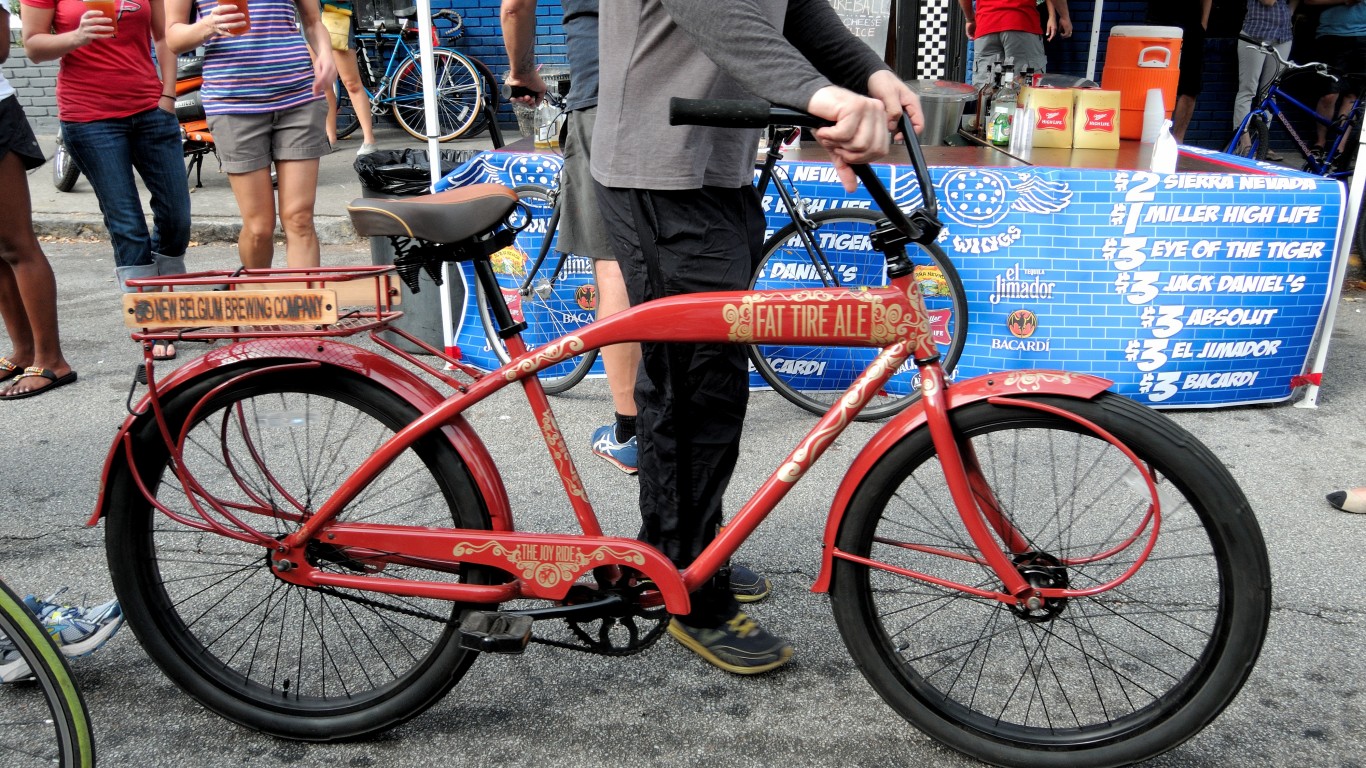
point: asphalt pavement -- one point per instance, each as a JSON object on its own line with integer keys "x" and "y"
{"x": 1303, "y": 706}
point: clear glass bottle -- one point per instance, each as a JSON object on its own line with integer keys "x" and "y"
{"x": 547, "y": 134}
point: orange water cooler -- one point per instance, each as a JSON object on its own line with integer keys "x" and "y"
{"x": 1138, "y": 58}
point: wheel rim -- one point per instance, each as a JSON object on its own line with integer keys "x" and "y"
{"x": 458, "y": 96}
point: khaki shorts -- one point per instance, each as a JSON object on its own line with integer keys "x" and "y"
{"x": 251, "y": 142}
{"x": 582, "y": 229}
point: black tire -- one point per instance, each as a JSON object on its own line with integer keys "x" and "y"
{"x": 815, "y": 377}
{"x": 299, "y": 663}
{"x": 64, "y": 169}
{"x": 459, "y": 93}
{"x": 1110, "y": 679}
{"x": 45, "y": 720}
{"x": 562, "y": 298}
{"x": 1257, "y": 135}
{"x": 347, "y": 121}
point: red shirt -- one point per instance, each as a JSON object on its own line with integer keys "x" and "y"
{"x": 1006, "y": 16}
{"x": 107, "y": 78}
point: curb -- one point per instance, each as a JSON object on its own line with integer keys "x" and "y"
{"x": 332, "y": 230}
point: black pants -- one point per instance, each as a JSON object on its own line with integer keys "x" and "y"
{"x": 691, "y": 397}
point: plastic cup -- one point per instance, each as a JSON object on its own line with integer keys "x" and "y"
{"x": 246, "y": 16}
{"x": 107, "y": 8}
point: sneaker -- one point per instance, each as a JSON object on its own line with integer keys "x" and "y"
{"x": 739, "y": 645}
{"x": 748, "y": 586}
{"x": 77, "y": 631}
{"x": 13, "y": 666}
{"x": 366, "y": 149}
{"x": 621, "y": 455}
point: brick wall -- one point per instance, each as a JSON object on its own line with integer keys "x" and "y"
{"x": 36, "y": 87}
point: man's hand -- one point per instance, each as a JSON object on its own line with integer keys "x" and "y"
{"x": 895, "y": 96}
{"x": 859, "y": 133}
{"x": 531, "y": 82}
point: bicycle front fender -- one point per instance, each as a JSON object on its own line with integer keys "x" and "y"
{"x": 1004, "y": 384}
{"x": 381, "y": 370}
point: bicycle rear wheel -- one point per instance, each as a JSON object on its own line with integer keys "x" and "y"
{"x": 318, "y": 664}
{"x": 560, "y": 299}
{"x": 458, "y": 96}
{"x": 813, "y": 378}
{"x": 1108, "y": 679}
{"x": 45, "y": 720}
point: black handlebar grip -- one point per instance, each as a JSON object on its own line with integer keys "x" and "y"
{"x": 732, "y": 113}
{"x": 517, "y": 91}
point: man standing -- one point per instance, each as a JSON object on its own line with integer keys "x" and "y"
{"x": 1193, "y": 19}
{"x": 684, "y": 217}
{"x": 1011, "y": 30}
{"x": 1269, "y": 22}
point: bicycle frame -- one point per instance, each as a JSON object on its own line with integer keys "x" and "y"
{"x": 546, "y": 565}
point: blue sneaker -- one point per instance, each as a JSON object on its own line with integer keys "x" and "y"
{"x": 13, "y": 665}
{"x": 621, "y": 455}
{"x": 77, "y": 631}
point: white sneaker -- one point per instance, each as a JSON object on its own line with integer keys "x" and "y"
{"x": 366, "y": 149}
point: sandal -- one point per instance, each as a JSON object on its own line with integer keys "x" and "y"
{"x": 31, "y": 372}
{"x": 163, "y": 351}
{"x": 8, "y": 369}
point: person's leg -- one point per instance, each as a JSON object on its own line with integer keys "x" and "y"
{"x": 299, "y": 138}
{"x": 1250, "y": 67}
{"x": 331, "y": 122}
{"x": 1181, "y": 116}
{"x": 1025, "y": 49}
{"x": 244, "y": 149}
{"x": 159, "y": 160}
{"x": 298, "y": 190}
{"x": 104, "y": 151}
{"x": 620, "y": 362}
{"x": 986, "y": 50}
{"x": 349, "y": 72}
{"x": 28, "y": 289}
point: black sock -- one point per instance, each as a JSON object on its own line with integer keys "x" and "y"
{"x": 626, "y": 428}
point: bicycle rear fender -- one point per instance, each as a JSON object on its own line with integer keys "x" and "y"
{"x": 382, "y": 370}
{"x": 961, "y": 393}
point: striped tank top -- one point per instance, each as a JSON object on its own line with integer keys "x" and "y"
{"x": 268, "y": 69}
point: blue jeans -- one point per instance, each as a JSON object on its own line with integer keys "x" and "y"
{"x": 107, "y": 151}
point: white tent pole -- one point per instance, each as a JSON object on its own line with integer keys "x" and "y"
{"x": 1095, "y": 42}
{"x": 424, "y": 40}
{"x": 1349, "y": 225}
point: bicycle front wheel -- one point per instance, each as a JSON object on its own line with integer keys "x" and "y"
{"x": 1254, "y": 139}
{"x": 459, "y": 94}
{"x": 561, "y": 298}
{"x": 45, "y": 720}
{"x": 64, "y": 169}
{"x": 317, "y": 664}
{"x": 1108, "y": 679}
{"x": 813, "y": 378}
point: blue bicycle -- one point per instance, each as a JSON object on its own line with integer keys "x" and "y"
{"x": 461, "y": 82}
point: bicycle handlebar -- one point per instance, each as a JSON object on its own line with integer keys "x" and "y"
{"x": 921, "y": 225}
{"x": 1287, "y": 66}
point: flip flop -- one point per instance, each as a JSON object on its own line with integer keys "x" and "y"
{"x": 8, "y": 370}
{"x": 164, "y": 355}
{"x": 31, "y": 372}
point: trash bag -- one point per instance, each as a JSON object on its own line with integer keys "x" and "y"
{"x": 405, "y": 171}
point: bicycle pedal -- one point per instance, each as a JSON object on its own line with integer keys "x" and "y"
{"x": 495, "y": 632}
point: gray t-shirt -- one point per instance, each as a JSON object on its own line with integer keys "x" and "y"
{"x": 652, "y": 50}
{"x": 581, "y": 43}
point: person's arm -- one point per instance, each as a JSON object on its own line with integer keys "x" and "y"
{"x": 1205, "y": 7}
{"x": 186, "y": 34}
{"x": 320, "y": 40}
{"x": 4, "y": 33}
{"x": 165, "y": 58}
{"x": 815, "y": 30}
{"x": 518, "y": 19}
{"x": 42, "y": 44}
{"x": 1060, "y": 19}
{"x": 970, "y": 16}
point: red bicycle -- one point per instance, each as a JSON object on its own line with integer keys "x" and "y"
{"x": 312, "y": 541}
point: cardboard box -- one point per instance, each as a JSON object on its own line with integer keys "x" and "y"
{"x": 1050, "y": 114}
{"x": 1097, "y": 119}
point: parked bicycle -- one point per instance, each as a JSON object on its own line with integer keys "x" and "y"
{"x": 823, "y": 249}
{"x": 1336, "y": 158}
{"x": 45, "y": 720}
{"x": 461, "y": 81}
{"x": 312, "y": 541}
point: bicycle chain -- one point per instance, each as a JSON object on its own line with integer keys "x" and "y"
{"x": 586, "y": 646}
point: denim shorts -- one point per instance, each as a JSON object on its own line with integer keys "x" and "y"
{"x": 250, "y": 142}
{"x": 16, "y": 135}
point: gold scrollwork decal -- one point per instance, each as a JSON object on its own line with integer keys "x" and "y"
{"x": 550, "y": 564}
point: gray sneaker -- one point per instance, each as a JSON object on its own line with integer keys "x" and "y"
{"x": 738, "y": 645}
